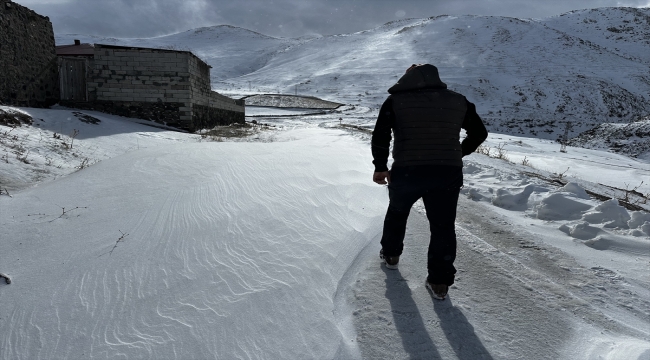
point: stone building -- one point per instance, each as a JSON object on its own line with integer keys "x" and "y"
{"x": 167, "y": 86}
{"x": 28, "y": 69}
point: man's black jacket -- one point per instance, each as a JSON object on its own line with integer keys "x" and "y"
{"x": 423, "y": 83}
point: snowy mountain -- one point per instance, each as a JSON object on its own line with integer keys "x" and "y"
{"x": 527, "y": 76}
{"x": 231, "y": 51}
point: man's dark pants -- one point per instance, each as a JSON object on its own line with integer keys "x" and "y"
{"x": 438, "y": 186}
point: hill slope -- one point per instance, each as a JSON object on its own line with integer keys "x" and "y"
{"x": 526, "y": 76}
{"x": 230, "y": 50}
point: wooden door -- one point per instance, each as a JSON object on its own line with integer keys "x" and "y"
{"x": 72, "y": 79}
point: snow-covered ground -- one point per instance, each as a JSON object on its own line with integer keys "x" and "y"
{"x": 172, "y": 246}
{"x": 123, "y": 239}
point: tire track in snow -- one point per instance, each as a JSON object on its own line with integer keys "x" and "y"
{"x": 502, "y": 305}
{"x": 556, "y": 277}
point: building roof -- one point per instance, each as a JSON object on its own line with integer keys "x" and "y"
{"x": 75, "y": 50}
{"x": 138, "y": 48}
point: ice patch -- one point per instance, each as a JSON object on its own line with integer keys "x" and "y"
{"x": 558, "y": 206}
{"x": 610, "y": 213}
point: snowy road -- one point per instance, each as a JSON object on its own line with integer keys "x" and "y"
{"x": 514, "y": 298}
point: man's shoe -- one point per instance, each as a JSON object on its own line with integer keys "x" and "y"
{"x": 390, "y": 261}
{"x": 438, "y": 291}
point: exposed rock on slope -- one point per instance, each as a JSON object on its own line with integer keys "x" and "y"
{"x": 632, "y": 139}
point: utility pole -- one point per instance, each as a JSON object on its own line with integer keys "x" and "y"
{"x": 296, "y": 89}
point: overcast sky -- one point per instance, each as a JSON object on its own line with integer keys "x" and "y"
{"x": 284, "y": 18}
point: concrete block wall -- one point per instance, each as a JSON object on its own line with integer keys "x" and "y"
{"x": 28, "y": 69}
{"x": 167, "y": 86}
{"x": 143, "y": 83}
{"x": 210, "y": 108}
{"x": 136, "y": 74}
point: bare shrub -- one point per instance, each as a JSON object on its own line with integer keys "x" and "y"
{"x": 485, "y": 150}
{"x": 501, "y": 153}
{"x": 74, "y": 134}
{"x": 629, "y": 192}
{"x": 560, "y": 176}
{"x": 84, "y": 164}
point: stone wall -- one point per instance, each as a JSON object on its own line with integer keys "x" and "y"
{"x": 28, "y": 68}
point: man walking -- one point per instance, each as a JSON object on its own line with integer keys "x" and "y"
{"x": 425, "y": 119}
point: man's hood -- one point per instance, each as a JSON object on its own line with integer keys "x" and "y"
{"x": 420, "y": 77}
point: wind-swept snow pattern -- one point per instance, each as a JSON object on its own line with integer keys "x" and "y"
{"x": 205, "y": 250}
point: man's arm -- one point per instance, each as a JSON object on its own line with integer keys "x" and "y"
{"x": 476, "y": 131}
{"x": 381, "y": 136}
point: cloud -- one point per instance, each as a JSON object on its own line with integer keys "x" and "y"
{"x": 288, "y": 18}
{"x": 30, "y": 3}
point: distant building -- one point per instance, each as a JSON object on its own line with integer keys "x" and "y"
{"x": 28, "y": 71}
{"x": 167, "y": 86}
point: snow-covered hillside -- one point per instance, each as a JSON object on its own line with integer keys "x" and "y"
{"x": 231, "y": 51}
{"x": 632, "y": 139}
{"x": 527, "y": 76}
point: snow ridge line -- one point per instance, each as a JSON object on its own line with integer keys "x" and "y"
{"x": 555, "y": 291}
{"x": 341, "y": 309}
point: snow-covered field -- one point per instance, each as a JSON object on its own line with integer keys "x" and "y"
{"x": 171, "y": 246}
{"x": 123, "y": 239}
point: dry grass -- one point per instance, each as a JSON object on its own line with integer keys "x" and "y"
{"x": 234, "y": 131}
{"x": 14, "y": 119}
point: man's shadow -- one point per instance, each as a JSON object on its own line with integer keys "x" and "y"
{"x": 408, "y": 321}
{"x": 459, "y": 332}
{"x": 415, "y": 337}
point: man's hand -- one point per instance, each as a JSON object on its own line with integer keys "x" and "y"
{"x": 381, "y": 177}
